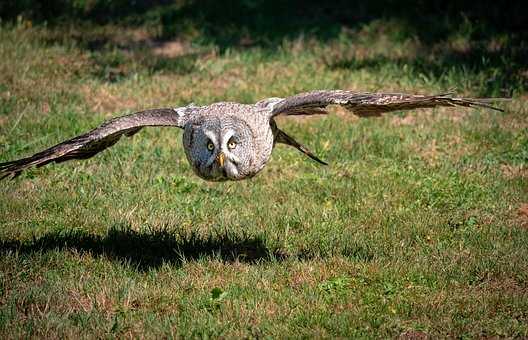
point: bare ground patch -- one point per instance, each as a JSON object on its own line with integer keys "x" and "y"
{"x": 514, "y": 171}
{"x": 522, "y": 213}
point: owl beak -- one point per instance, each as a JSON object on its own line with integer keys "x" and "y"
{"x": 220, "y": 159}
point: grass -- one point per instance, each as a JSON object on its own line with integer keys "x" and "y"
{"x": 418, "y": 227}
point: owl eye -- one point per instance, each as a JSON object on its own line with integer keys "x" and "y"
{"x": 232, "y": 144}
{"x": 210, "y": 146}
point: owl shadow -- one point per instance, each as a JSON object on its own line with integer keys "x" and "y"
{"x": 150, "y": 249}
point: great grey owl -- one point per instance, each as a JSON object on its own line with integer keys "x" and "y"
{"x": 232, "y": 141}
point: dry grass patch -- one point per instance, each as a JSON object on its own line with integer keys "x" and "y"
{"x": 522, "y": 212}
{"x": 105, "y": 99}
{"x": 514, "y": 171}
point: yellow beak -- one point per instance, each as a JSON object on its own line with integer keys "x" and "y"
{"x": 220, "y": 158}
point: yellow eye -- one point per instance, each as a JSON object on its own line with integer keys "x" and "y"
{"x": 210, "y": 146}
{"x": 232, "y": 144}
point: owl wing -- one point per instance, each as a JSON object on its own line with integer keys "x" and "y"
{"x": 365, "y": 104}
{"x": 98, "y": 139}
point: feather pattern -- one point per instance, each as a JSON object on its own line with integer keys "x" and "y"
{"x": 365, "y": 104}
{"x": 89, "y": 144}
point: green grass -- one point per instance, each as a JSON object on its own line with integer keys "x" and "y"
{"x": 415, "y": 227}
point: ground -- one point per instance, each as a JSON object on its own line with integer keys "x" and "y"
{"x": 417, "y": 228}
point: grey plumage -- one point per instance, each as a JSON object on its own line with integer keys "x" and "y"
{"x": 232, "y": 141}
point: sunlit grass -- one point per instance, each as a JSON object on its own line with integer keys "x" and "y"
{"x": 413, "y": 228}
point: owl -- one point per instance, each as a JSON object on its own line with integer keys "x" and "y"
{"x": 233, "y": 141}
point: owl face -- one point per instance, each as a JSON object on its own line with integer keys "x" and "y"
{"x": 219, "y": 149}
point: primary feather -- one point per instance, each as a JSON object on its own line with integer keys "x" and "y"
{"x": 366, "y": 104}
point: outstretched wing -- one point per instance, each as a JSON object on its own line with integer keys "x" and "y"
{"x": 100, "y": 138}
{"x": 365, "y": 104}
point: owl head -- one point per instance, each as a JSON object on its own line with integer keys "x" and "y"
{"x": 219, "y": 149}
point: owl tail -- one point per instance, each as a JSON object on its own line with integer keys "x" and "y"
{"x": 282, "y": 137}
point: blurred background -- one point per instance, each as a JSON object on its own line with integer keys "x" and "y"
{"x": 484, "y": 37}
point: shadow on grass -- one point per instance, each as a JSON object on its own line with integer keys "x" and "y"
{"x": 114, "y": 57}
{"x": 150, "y": 249}
{"x": 501, "y": 68}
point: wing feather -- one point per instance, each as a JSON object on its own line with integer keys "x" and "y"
{"x": 365, "y": 104}
{"x": 91, "y": 143}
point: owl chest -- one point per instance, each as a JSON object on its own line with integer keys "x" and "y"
{"x": 264, "y": 147}
{"x": 263, "y": 139}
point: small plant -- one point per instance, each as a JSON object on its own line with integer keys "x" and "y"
{"x": 215, "y": 299}
{"x": 336, "y": 284}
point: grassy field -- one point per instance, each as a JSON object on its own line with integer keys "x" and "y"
{"x": 418, "y": 227}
